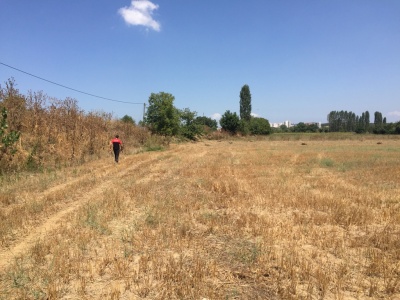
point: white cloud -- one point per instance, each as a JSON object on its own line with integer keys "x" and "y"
{"x": 255, "y": 115}
{"x": 394, "y": 113}
{"x": 140, "y": 13}
{"x": 216, "y": 116}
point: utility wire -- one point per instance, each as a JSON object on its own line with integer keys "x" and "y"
{"x": 52, "y": 82}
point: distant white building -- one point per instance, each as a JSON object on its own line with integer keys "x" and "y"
{"x": 277, "y": 125}
{"x": 289, "y": 124}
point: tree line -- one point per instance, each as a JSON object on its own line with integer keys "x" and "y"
{"x": 163, "y": 118}
{"x": 347, "y": 121}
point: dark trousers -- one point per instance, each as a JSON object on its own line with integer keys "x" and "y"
{"x": 116, "y": 154}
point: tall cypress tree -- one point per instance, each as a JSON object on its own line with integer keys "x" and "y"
{"x": 378, "y": 122}
{"x": 367, "y": 121}
{"x": 245, "y": 103}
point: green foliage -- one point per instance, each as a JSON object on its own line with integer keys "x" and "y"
{"x": 230, "y": 122}
{"x": 363, "y": 123}
{"x": 366, "y": 121}
{"x": 284, "y": 128}
{"x": 189, "y": 128}
{"x": 342, "y": 121}
{"x": 259, "y": 126}
{"x": 244, "y": 127}
{"x": 162, "y": 117}
{"x": 255, "y": 126}
{"x": 378, "y": 123}
{"x": 302, "y": 127}
{"x": 128, "y": 119}
{"x": 8, "y": 139}
{"x": 245, "y": 103}
{"x": 388, "y": 128}
{"x": 205, "y": 121}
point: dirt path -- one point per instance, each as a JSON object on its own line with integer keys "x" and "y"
{"x": 106, "y": 172}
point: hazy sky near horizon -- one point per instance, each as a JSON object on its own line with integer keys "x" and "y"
{"x": 301, "y": 59}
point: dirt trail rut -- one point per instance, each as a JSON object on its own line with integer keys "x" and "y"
{"x": 106, "y": 172}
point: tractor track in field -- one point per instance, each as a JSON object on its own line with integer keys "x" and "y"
{"x": 108, "y": 176}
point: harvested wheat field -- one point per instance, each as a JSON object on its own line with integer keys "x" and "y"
{"x": 231, "y": 219}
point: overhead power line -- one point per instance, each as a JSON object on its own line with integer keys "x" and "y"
{"x": 66, "y": 87}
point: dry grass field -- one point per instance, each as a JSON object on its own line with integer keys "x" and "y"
{"x": 230, "y": 219}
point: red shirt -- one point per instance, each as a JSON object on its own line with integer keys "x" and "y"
{"x": 116, "y": 142}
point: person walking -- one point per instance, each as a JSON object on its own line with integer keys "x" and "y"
{"x": 116, "y": 146}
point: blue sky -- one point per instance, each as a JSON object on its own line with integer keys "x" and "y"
{"x": 301, "y": 59}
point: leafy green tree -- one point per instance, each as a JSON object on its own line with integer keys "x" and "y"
{"x": 360, "y": 124}
{"x": 189, "y": 128}
{"x": 162, "y": 117}
{"x": 244, "y": 127}
{"x": 367, "y": 121}
{"x": 230, "y": 122}
{"x": 363, "y": 123}
{"x": 284, "y": 128}
{"x": 205, "y": 121}
{"x": 378, "y": 123}
{"x": 259, "y": 126}
{"x": 245, "y": 103}
{"x": 300, "y": 127}
{"x": 342, "y": 121}
{"x": 128, "y": 119}
{"x": 378, "y": 119}
{"x": 391, "y": 128}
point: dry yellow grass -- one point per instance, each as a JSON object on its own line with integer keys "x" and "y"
{"x": 209, "y": 220}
